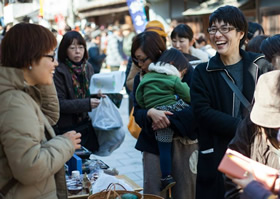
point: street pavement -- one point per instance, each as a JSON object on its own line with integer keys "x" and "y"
{"x": 126, "y": 159}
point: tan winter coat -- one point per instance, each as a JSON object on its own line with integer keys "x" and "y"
{"x": 26, "y": 116}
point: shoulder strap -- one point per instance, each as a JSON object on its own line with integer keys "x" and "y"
{"x": 236, "y": 90}
{"x": 7, "y": 187}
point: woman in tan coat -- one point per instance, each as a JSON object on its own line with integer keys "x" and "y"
{"x": 31, "y": 156}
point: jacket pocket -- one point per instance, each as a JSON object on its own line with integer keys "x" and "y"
{"x": 206, "y": 169}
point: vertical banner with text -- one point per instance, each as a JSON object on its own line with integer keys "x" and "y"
{"x": 138, "y": 15}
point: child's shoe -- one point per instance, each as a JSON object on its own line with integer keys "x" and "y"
{"x": 167, "y": 183}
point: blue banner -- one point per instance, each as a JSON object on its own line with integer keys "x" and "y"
{"x": 138, "y": 15}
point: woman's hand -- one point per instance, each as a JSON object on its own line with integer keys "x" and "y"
{"x": 94, "y": 102}
{"x": 99, "y": 94}
{"x": 243, "y": 182}
{"x": 159, "y": 118}
{"x": 74, "y": 137}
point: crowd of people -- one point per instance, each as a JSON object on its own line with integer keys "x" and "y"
{"x": 192, "y": 100}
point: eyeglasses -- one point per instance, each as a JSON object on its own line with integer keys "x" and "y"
{"x": 74, "y": 48}
{"x": 50, "y": 56}
{"x": 222, "y": 29}
{"x": 140, "y": 60}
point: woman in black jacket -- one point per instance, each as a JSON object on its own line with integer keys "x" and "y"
{"x": 217, "y": 108}
{"x": 72, "y": 78}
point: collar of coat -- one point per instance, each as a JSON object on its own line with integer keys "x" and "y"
{"x": 165, "y": 68}
{"x": 13, "y": 79}
{"x": 216, "y": 64}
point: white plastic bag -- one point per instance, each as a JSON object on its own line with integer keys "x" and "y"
{"x": 106, "y": 116}
{"x": 109, "y": 140}
{"x": 104, "y": 180}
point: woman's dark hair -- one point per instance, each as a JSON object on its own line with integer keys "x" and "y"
{"x": 252, "y": 130}
{"x": 252, "y": 28}
{"x": 176, "y": 58}
{"x": 254, "y": 45}
{"x": 270, "y": 47}
{"x": 25, "y": 43}
{"x": 182, "y": 31}
{"x": 66, "y": 41}
{"x": 150, "y": 43}
{"x": 232, "y": 16}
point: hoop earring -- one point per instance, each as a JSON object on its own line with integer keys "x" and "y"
{"x": 30, "y": 67}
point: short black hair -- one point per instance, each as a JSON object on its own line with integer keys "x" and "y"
{"x": 176, "y": 58}
{"x": 182, "y": 31}
{"x": 233, "y": 16}
{"x": 252, "y": 28}
{"x": 271, "y": 47}
{"x": 254, "y": 45}
{"x": 66, "y": 41}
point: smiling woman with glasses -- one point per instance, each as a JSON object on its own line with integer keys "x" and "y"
{"x": 32, "y": 157}
{"x": 216, "y": 106}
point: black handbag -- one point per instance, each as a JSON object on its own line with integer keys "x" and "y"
{"x": 89, "y": 138}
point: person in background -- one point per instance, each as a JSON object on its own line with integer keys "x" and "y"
{"x": 147, "y": 47}
{"x": 32, "y": 157}
{"x": 161, "y": 88}
{"x": 128, "y": 36}
{"x": 115, "y": 55}
{"x": 270, "y": 47}
{"x": 254, "y": 29}
{"x": 201, "y": 43}
{"x": 258, "y": 137}
{"x": 95, "y": 58}
{"x": 254, "y": 45}
{"x": 72, "y": 78}
{"x": 183, "y": 39}
{"x": 217, "y": 109}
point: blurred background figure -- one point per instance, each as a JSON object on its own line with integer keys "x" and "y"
{"x": 96, "y": 58}
{"x": 270, "y": 47}
{"x": 128, "y": 35}
{"x": 254, "y": 45}
{"x": 183, "y": 39}
{"x": 115, "y": 55}
{"x": 254, "y": 29}
{"x": 202, "y": 44}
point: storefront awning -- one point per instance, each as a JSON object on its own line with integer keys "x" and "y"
{"x": 210, "y": 6}
{"x": 104, "y": 7}
{"x": 103, "y": 11}
{"x": 100, "y": 4}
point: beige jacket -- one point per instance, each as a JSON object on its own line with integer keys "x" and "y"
{"x": 26, "y": 116}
